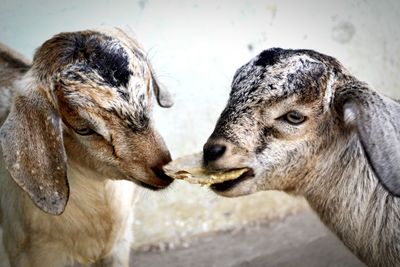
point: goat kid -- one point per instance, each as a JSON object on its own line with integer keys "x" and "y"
{"x": 304, "y": 125}
{"x": 76, "y": 131}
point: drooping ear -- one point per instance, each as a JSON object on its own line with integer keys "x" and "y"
{"x": 163, "y": 96}
{"x": 377, "y": 120}
{"x": 33, "y": 151}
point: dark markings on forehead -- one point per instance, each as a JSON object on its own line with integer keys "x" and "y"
{"x": 268, "y": 57}
{"x": 105, "y": 55}
{"x": 274, "y": 55}
{"x": 92, "y": 51}
{"x": 254, "y": 82}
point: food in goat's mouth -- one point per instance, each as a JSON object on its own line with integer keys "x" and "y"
{"x": 190, "y": 168}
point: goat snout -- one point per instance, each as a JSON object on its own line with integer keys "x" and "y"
{"x": 220, "y": 154}
{"x": 213, "y": 152}
{"x": 217, "y": 154}
{"x": 165, "y": 180}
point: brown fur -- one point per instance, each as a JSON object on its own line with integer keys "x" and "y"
{"x": 79, "y": 125}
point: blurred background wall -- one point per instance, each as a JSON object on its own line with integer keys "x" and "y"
{"x": 195, "y": 47}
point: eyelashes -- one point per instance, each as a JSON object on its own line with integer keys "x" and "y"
{"x": 84, "y": 131}
{"x": 294, "y": 118}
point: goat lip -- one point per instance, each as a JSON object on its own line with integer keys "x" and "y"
{"x": 155, "y": 181}
{"x": 163, "y": 180}
{"x": 152, "y": 185}
{"x": 227, "y": 185}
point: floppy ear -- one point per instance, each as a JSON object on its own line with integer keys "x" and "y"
{"x": 163, "y": 96}
{"x": 377, "y": 120}
{"x": 33, "y": 150}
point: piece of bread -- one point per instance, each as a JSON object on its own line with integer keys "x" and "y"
{"x": 191, "y": 169}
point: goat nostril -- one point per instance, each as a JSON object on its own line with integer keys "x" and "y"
{"x": 213, "y": 152}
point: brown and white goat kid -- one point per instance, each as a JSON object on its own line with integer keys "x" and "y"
{"x": 76, "y": 131}
{"x": 304, "y": 125}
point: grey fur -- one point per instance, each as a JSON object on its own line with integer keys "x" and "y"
{"x": 344, "y": 158}
{"x": 378, "y": 124}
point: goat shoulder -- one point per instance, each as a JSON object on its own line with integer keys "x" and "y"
{"x": 371, "y": 228}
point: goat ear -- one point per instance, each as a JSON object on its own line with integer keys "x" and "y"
{"x": 163, "y": 96}
{"x": 377, "y": 120}
{"x": 33, "y": 150}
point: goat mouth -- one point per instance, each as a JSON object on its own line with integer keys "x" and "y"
{"x": 227, "y": 185}
{"x": 163, "y": 180}
{"x": 159, "y": 181}
{"x": 150, "y": 186}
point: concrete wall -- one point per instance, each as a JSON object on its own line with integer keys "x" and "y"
{"x": 195, "y": 47}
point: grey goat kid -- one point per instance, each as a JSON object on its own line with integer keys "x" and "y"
{"x": 304, "y": 125}
{"x": 77, "y": 138}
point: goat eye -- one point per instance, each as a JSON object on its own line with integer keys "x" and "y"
{"x": 84, "y": 131}
{"x": 295, "y": 118}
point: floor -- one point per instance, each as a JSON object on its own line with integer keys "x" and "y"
{"x": 299, "y": 240}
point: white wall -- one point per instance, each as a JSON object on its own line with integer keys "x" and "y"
{"x": 195, "y": 47}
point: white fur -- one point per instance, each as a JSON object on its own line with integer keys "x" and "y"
{"x": 97, "y": 222}
{"x": 350, "y": 114}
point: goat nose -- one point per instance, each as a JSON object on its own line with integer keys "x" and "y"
{"x": 213, "y": 152}
{"x": 159, "y": 172}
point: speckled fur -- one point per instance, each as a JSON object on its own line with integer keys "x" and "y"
{"x": 66, "y": 197}
{"x": 331, "y": 158}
